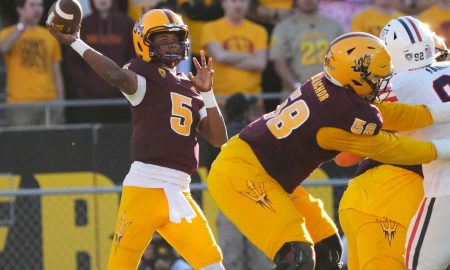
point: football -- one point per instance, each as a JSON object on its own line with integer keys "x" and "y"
{"x": 65, "y": 15}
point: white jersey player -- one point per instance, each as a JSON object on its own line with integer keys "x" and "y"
{"x": 420, "y": 79}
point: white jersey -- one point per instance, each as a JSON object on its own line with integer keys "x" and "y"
{"x": 429, "y": 85}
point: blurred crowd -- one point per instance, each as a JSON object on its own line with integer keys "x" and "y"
{"x": 259, "y": 47}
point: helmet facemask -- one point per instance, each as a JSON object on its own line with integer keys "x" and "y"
{"x": 380, "y": 89}
{"x": 170, "y": 54}
{"x": 441, "y": 53}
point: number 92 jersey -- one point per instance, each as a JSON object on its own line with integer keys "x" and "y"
{"x": 285, "y": 140}
{"x": 428, "y": 85}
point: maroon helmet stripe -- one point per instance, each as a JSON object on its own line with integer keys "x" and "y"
{"x": 415, "y": 28}
{"x": 168, "y": 15}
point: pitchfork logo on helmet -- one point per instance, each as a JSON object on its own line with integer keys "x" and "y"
{"x": 137, "y": 30}
{"x": 158, "y": 21}
{"x": 360, "y": 62}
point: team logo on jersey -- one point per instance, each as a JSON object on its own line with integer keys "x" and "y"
{"x": 257, "y": 193}
{"x": 162, "y": 72}
{"x": 121, "y": 227}
{"x": 389, "y": 228}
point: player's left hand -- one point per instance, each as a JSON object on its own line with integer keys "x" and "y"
{"x": 203, "y": 81}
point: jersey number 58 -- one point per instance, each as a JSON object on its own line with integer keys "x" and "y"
{"x": 288, "y": 116}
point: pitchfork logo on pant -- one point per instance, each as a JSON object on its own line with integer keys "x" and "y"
{"x": 257, "y": 193}
{"x": 389, "y": 228}
{"x": 121, "y": 227}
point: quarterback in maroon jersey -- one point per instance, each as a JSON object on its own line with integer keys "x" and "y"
{"x": 169, "y": 110}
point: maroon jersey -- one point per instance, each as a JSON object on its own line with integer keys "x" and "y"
{"x": 165, "y": 122}
{"x": 285, "y": 140}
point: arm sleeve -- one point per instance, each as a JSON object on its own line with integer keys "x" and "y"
{"x": 136, "y": 98}
{"x": 400, "y": 116}
{"x": 384, "y": 147}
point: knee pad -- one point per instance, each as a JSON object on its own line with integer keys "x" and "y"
{"x": 295, "y": 256}
{"x": 329, "y": 253}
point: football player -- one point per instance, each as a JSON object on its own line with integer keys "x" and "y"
{"x": 169, "y": 110}
{"x": 422, "y": 79}
{"x": 255, "y": 177}
{"x": 379, "y": 203}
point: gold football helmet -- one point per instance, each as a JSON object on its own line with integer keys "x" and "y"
{"x": 360, "y": 62}
{"x": 159, "y": 21}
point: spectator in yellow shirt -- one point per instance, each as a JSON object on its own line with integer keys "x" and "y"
{"x": 437, "y": 17}
{"x": 196, "y": 14}
{"x": 268, "y": 13}
{"x": 413, "y": 7}
{"x": 32, "y": 58}
{"x": 375, "y": 17}
{"x": 239, "y": 48}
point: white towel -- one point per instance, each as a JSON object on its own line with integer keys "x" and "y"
{"x": 179, "y": 206}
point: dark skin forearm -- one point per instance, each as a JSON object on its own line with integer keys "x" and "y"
{"x": 111, "y": 72}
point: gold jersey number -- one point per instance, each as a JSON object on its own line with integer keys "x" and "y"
{"x": 287, "y": 117}
{"x": 181, "y": 118}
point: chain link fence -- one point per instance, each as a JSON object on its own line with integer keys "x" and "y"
{"x": 72, "y": 228}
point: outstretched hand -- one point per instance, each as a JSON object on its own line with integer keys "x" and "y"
{"x": 66, "y": 39}
{"x": 203, "y": 80}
